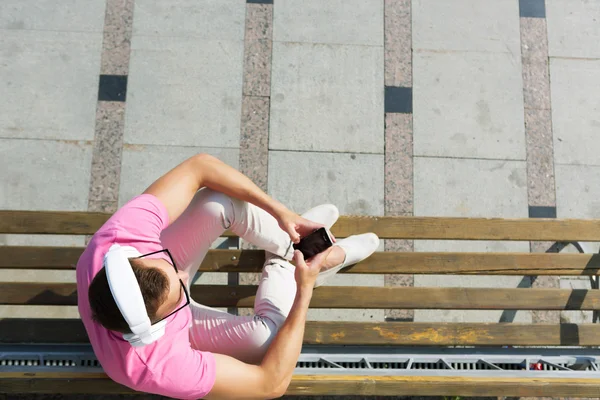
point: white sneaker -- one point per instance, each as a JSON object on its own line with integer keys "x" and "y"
{"x": 325, "y": 214}
{"x": 357, "y": 248}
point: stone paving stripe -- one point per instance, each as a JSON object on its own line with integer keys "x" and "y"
{"x": 541, "y": 190}
{"x": 398, "y": 99}
{"x": 534, "y": 52}
{"x": 398, "y": 164}
{"x": 106, "y": 159}
{"x": 112, "y": 88}
{"x": 103, "y": 195}
{"x": 254, "y": 139}
{"x": 259, "y": 1}
{"x": 532, "y": 8}
{"x": 398, "y": 43}
{"x": 254, "y": 132}
{"x": 258, "y": 46}
{"x": 116, "y": 45}
{"x": 398, "y": 167}
{"x": 542, "y": 212}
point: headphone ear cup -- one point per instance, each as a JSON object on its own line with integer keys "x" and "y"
{"x": 154, "y": 333}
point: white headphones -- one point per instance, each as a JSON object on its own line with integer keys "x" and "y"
{"x": 126, "y": 291}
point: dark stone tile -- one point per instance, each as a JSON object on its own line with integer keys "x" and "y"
{"x": 398, "y": 99}
{"x": 532, "y": 8}
{"x": 112, "y": 88}
{"x": 542, "y": 212}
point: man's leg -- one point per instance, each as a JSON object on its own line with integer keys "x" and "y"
{"x": 247, "y": 338}
{"x": 209, "y": 214}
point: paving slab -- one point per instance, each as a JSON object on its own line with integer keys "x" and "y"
{"x": 49, "y": 84}
{"x": 327, "y": 98}
{"x": 302, "y": 180}
{"x": 142, "y": 165}
{"x": 466, "y": 25}
{"x": 44, "y": 175}
{"x": 353, "y": 182}
{"x": 207, "y": 19}
{"x": 71, "y": 15}
{"x": 184, "y": 91}
{"x": 468, "y": 105}
{"x": 577, "y": 191}
{"x": 575, "y": 110}
{"x": 573, "y": 28}
{"x": 333, "y": 21}
{"x": 470, "y": 188}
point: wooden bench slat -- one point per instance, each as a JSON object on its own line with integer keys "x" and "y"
{"x": 99, "y": 383}
{"x": 452, "y": 334}
{"x": 27, "y": 330}
{"x": 37, "y": 257}
{"x": 84, "y": 223}
{"x": 51, "y": 222}
{"x": 420, "y": 298}
{"x": 440, "y": 386}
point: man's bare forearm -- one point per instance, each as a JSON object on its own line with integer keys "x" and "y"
{"x": 219, "y": 176}
{"x": 281, "y": 357}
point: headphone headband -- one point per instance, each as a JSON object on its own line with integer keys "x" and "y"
{"x": 125, "y": 289}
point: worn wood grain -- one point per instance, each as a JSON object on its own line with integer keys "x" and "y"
{"x": 37, "y": 257}
{"x": 16, "y": 330}
{"x": 422, "y": 298}
{"x": 83, "y": 223}
{"x": 332, "y": 385}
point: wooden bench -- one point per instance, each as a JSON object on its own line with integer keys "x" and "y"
{"x": 382, "y": 337}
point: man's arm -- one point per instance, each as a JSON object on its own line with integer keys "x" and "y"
{"x": 235, "y": 379}
{"x": 177, "y": 188}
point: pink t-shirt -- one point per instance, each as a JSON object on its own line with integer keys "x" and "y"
{"x": 169, "y": 366}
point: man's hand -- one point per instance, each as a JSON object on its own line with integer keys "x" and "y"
{"x": 307, "y": 271}
{"x": 296, "y": 226}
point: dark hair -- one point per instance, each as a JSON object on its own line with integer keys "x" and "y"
{"x": 154, "y": 285}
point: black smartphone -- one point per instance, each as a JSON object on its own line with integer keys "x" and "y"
{"x": 316, "y": 242}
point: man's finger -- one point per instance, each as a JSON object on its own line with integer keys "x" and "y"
{"x": 291, "y": 230}
{"x": 298, "y": 257}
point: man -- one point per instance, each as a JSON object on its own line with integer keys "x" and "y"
{"x": 133, "y": 286}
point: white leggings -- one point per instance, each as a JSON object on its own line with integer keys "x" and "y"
{"x": 189, "y": 238}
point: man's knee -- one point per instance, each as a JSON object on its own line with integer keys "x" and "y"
{"x": 216, "y": 204}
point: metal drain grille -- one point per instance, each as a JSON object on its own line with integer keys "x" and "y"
{"x": 510, "y": 362}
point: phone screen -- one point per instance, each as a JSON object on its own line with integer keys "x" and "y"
{"x": 314, "y": 243}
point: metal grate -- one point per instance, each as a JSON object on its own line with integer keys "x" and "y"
{"x": 356, "y": 360}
